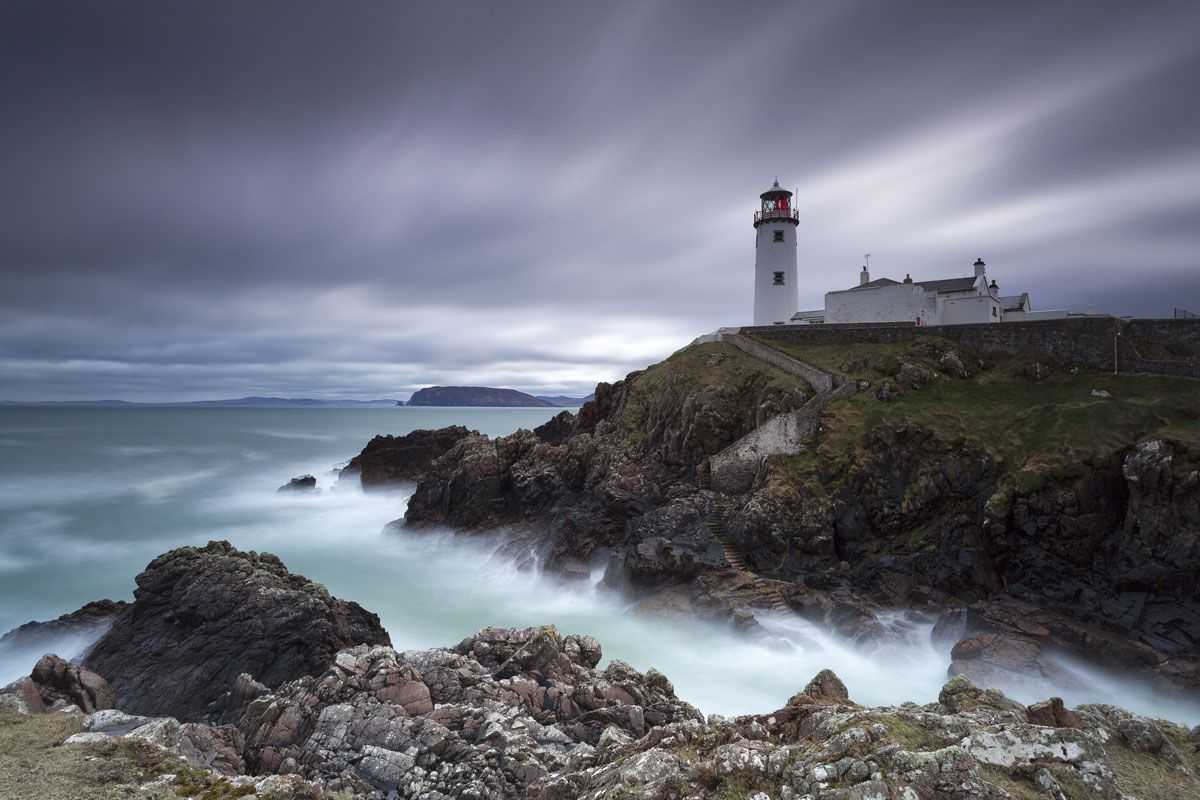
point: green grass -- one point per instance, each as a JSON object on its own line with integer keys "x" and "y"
{"x": 720, "y": 373}
{"x": 34, "y": 764}
{"x": 1032, "y": 428}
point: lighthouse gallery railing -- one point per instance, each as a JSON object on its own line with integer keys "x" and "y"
{"x": 777, "y": 213}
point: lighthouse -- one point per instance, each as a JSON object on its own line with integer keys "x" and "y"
{"x": 776, "y": 296}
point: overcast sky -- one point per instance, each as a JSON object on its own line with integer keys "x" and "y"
{"x": 357, "y": 199}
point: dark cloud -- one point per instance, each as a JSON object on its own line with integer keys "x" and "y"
{"x": 357, "y": 199}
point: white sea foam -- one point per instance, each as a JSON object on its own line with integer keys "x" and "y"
{"x": 67, "y": 538}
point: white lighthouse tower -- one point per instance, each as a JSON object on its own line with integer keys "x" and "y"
{"x": 776, "y": 296}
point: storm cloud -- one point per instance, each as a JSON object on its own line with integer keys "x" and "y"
{"x": 358, "y": 199}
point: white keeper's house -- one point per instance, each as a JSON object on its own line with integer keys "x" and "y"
{"x": 970, "y": 299}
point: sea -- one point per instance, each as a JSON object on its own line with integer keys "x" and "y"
{"x": 89, "y": 495}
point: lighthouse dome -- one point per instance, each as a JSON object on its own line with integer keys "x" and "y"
{"x": 775, "y": 191}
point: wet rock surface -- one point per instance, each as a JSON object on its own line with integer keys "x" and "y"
{"x": 302, "y": 483}
{"x": 204, "y": 615}
{"x": 398, "y": 459}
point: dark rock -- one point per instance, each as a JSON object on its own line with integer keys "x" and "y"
{"x": 204, "y": 615}
{"x": 483, "y": 396}
{"x": 396, "y": 459}
{"x": 558, "y": 429}
{"x": 303, "y": 483}
{"x": 89, "y": 621}
{"x": 1053, "y": 714}
{"x": 63, "y": 684}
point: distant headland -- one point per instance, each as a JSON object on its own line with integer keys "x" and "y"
{"x": 457, "y": 396}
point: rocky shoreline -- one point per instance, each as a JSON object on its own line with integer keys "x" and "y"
{"x": 511, "y": 713}
{"x": 1019, "y": 562}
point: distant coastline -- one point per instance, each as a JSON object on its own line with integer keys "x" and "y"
{"x": 238, "y": 402}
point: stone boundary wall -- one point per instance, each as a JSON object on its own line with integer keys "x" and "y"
{"x": 734, "y": 469}
{"x": 1101, "y": 343}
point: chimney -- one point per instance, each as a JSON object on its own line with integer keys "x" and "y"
{"x": 994, "y": 287}
{"x": 864, "y": 277}
{"x": 980, "y": 267}
{"x": 907, "y": 278}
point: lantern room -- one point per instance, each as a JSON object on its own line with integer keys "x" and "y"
{"x": 776, "y": 207}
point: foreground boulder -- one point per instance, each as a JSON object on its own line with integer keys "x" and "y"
{"x": 56, "y": 685}
{"x": 62, "y": 683}
{"x": 203, "y": 615}
{"x": 486, "y": 719}
{"x": 396, "y": 459}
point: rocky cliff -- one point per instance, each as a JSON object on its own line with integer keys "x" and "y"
{"x": 201, "y": 616}
{"x": 1038, "y": 504}
{"x": 513, "y": 713}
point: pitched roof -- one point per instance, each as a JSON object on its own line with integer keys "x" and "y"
{"x": 949, "y": 285}
{"x": 875, "y": 284}
{"x": 1014, "y": 302}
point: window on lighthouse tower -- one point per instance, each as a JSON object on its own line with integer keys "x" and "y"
{"x": 779, "y": 236}
{"x": 778, "y": 279}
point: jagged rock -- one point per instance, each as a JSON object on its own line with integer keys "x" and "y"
{"x": 501, "y": 710}
{"x": 61, "y": 683}
{"x": 835, "y": 752}
{"x": 558, "y": 429}
{"x": 825, "y": 688}
{"x": 204, "y": 615}
{"x": 303, "y": 483}
{"x": 396, "y": 459}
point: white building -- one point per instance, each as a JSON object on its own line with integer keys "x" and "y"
{"x": 776, "y": 294}
{"x": 952, "y": 301}
{"x": 970, "y": 299}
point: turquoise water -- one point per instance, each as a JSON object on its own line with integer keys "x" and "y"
{"x": 88, "y": 496}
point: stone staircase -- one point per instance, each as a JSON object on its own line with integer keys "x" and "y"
{"x": 716, "y": 527}
{"x": 734, "y": 469}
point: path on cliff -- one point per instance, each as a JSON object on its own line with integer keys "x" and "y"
{"x": 715, "y": 523}
{"x": 734, "y": 469}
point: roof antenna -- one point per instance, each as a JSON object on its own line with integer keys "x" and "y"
{"x": 867, "y": 256}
